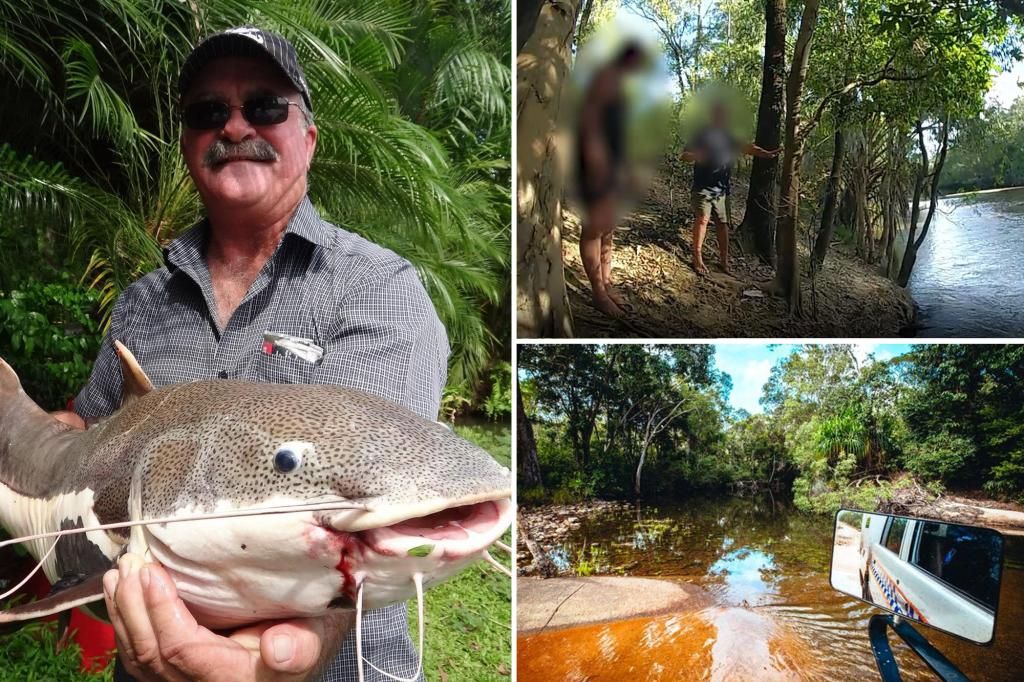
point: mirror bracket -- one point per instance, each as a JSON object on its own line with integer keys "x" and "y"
{"x": 878, "y": 634}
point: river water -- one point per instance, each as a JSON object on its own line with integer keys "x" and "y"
{"x": 774, "y": 614}
{"x": 969, "y": 277}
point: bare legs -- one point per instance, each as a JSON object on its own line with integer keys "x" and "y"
{"x": 700, "y": 229}
{"x": 596, "y": 253}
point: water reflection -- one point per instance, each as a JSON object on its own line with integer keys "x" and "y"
{"x": 766, "y": 567}
{"x": 749, "y": 576}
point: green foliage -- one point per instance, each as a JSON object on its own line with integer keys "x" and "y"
{"x": 940, "y": 457}
{"x": 532, "y": 497}
{"x": 498, "y": 404}
{"x": 51, "y": 337}
{"x": 988, "y": 151}
{"x": 966, "y": 401}
{"x": 30, "y": 654}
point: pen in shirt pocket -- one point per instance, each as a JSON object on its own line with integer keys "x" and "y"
{"x": 275, "y": 343}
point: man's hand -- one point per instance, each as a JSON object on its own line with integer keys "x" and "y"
{"x": 158, "y": 639}
{"x": 70, "y": 418}
{"x": 694, "y": 156}
{"x": 754, "y": 150}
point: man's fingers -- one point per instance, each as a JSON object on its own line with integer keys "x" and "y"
{"x": 110, "y": 580}
{"x": 131, "y": 606}
{"x": 293, "y": 646}
{"x": 188, "y": 648}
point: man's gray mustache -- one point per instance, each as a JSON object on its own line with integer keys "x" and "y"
{"x": 252, "y": 150}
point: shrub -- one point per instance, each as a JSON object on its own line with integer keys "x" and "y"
{"x": 50, "y": 337}
{"x": 940, "y": 457}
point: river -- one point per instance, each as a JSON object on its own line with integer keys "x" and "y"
{"x": 969, "y": 278}
{"x": 766, "y": 567}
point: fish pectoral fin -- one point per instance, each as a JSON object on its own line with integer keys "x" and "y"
{"x": 85, "y": 591}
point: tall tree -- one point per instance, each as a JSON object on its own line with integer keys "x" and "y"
{"x": 787, "y": 274}
{"x": 927, "y": 178}
{"x": 758, "y": 226}
{"x": 542, "y": 67}
{"x": 526, "y": 446}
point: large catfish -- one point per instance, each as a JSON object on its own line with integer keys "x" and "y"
{"x": 393, "y": 496}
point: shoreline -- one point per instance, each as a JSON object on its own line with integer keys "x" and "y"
{"x": 980, "y": 191}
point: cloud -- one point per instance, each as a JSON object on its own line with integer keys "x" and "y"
{"x": 747, "y": 383}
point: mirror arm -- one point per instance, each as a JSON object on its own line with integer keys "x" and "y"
{"x": 879, "y": 637}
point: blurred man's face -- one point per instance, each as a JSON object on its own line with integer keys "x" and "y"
{"x": 257, "y": 165}
{"x": 719, "y": 114}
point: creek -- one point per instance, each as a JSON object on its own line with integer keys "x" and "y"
{"x": 968, "y": 281}
{"x": 774, "y": 614}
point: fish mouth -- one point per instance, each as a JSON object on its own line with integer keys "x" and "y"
{"x": 452, "y": 532}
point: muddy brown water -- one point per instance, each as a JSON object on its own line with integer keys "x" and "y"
{"x": 775, "y": 616}
{"x": 969, "y": 277}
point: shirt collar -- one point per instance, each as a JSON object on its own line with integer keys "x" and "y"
{"x": 189, "y": 247}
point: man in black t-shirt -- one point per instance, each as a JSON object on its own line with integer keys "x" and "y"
{"x": 713, "y": 151}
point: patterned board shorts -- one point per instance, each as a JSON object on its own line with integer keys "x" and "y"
{"x": 715, "y": 207}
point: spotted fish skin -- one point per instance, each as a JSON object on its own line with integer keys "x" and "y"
{"x": 210, "y": 446}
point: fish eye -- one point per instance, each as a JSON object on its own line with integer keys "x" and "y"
{"x": 287, "y": 460}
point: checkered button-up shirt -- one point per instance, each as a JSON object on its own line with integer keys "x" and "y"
{"x": 362, "y": 304}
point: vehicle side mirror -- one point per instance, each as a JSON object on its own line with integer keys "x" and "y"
{"x": 940, "y": 574}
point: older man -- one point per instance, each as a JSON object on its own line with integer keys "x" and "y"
{"x": 262, "y": 290}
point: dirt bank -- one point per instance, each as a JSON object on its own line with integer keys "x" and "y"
{"x": 651, "y": 266}
{"x": 564, "y": 602}
{"x": 966, "y": 508}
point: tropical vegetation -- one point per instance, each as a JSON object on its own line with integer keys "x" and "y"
{"x": 412, "y": 101}
{"x": 632, "y": 421}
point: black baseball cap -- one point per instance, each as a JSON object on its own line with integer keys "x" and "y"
{"x": 246, "y": 41}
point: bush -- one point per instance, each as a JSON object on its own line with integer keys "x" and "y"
{"x": 940, "y": 457}
{"x": 50, "y": 337}
{"x": 498, "y": 404}
{"x": 1008, "y": 478}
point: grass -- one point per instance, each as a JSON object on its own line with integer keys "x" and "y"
{"x": 30, "y": 655}
{"x": 468, "y": 620}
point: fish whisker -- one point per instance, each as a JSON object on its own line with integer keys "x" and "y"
{"x": 417, "y": 580}
{"x": 502, "y": 546}
{"x": 31, "y": 573}
{"x": 283, "y": 509}
{"x": 497, "y": 564}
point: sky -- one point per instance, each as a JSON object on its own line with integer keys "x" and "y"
{"x": 750, "y": 364}
{"x": 1005, "y": 87}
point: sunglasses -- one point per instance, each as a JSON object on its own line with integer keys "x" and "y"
{"x": 265, "y": 110}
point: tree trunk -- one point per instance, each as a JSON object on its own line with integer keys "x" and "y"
{"x": 787, "y": 274}
{"x": 828, "y": 212}
{"x": 542, "y": 66}
{"x": 588, "y": 6}
{"x": 758, "y": 226}
{"x": 910, "y": 255}
{"x": 526, "y": 448}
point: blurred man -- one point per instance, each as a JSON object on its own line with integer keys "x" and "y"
{"x": 713, "y": 151}
{"x": 601, "y": 159}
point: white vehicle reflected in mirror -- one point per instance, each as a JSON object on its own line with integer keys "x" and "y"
{"x": 940, "y": 574}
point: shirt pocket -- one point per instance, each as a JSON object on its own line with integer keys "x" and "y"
{"x": 281, "y": 368}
